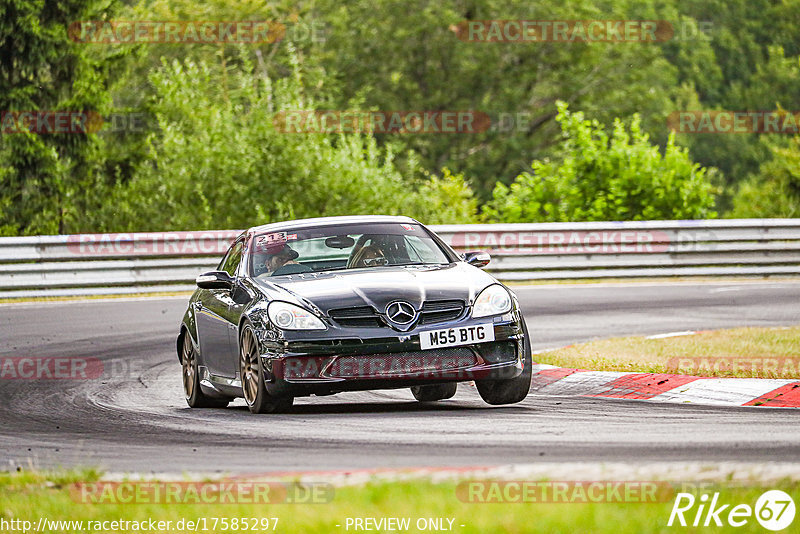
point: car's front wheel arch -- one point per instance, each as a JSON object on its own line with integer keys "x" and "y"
{"x": 512, "y": 390}
{"x": 251, "y": 374}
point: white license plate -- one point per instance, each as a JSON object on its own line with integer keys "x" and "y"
{"x": 451, "y": 337}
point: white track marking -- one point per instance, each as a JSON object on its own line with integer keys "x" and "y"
{"x": 721, "y": 391}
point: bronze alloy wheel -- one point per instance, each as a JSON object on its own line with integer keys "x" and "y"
{"x": 248, "y": 366}
{"x": 194, "y": 395}
{"x": 254, "y": 389}
{"x": 188, "y": 364}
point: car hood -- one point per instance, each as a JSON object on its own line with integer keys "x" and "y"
{"x": 380, "y": 286}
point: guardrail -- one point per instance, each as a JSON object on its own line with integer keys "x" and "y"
{"x": 96, "y": 264}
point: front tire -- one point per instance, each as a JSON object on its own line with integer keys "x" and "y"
{"x": 515, "y": 389}
{"x": 195, "y": 397}
{"x": 254, "y": 390}
{"x": 435, "y": 392}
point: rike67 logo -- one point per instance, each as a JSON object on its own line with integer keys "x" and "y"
{"x": 774, "y": 510}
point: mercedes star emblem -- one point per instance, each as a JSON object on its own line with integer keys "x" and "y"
{"x": 401, "y": 312}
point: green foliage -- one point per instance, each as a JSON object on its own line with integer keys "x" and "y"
{"x": 396, "y": 55}
{"x": 745, "y": 59}
{"x": 775, "y": 190}
{"x": 448, "y": 199}
{"x": 219, "y": 162}
{"x": 599, "y": 177}
{"x": 215, "y": 143}
{"x": 45, "y": 179}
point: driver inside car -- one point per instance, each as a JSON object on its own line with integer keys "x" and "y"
{"x": 278, "y": 260}
{"x": 369, "y": 256}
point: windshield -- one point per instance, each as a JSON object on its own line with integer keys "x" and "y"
{"x": 357, "y": 246}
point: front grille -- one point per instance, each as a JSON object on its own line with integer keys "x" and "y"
{"x": 359, "y": 317}
{"x": 433, "y": 311}
{"x": 400, "y": 364}
{"x": 439, "y": 311}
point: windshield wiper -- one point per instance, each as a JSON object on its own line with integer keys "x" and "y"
{"x": 412, "y": 263}
{"x": 377, "y": 266}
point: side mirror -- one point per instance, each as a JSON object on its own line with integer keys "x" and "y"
{"x": 214, "y": 280}
{"x": 477, "y": 259}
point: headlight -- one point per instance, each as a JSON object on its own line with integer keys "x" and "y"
{"x": 493, "y": 300}
{"x": 290, "y": 317}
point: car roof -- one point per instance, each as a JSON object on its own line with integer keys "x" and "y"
{"x": 330, "y": 221}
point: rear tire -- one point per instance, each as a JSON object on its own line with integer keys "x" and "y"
{"x": 254, "y": 390}
{"x": 195, "y": 397}
{"x": 515, "y": 389}
{"x": 435, "y": 392}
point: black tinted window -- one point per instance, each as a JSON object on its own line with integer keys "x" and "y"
{"x": 232, "y": 259}
{"x": 350, "y": 246}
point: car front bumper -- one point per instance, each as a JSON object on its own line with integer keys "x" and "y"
{"x": 343, "y": 359}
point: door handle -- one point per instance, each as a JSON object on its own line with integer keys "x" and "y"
{"x": 198, "y": 305}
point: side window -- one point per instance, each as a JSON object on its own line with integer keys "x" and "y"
{"x": 231, "y": 261}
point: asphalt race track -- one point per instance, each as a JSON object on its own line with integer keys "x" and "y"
{"x": 134, "y": 418}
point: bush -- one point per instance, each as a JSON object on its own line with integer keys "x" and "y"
{"x": 597, "y": 178}
{"x": 775, "y": 190}
{"x": 219, "y": 162}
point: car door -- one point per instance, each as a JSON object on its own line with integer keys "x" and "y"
{"x": 214, "y": 320}
{"x": 240, "y": 297}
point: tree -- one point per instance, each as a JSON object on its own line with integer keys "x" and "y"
{"x": 400, "y": 55}
{"x": 218, "y": 161}
{"x": 45, "y": 179}
{"x": 745, "y": 59}
{"x": 775, "y": 190}
{"x": 602, "y": 178}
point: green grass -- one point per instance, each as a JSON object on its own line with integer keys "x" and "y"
{"x": 737, "y": 352}
{"x": 29, "y": 496}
